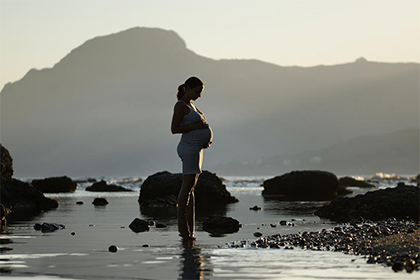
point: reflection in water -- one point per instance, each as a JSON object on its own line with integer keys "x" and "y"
{"x": 192, "y": 266}
{"x": 276, "y": 205}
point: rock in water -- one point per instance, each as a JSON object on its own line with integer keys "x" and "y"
{"x": 100, "y": 201}
{"x": 103, "y": 186}
{"x": 400, "y": 202}
{"x": 138, "y": 225}
{"x": 351, "y": 182}
{"x": 113, "y": 248}
{"x": 161, "y": 190}
{"x": 221, "y": 225}
{"x": 48, "y": 227}
{"x": 302, "y": 185}
{"x": 55, "y": 185}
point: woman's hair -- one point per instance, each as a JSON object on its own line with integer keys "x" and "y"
{"x": 191, "y": 82}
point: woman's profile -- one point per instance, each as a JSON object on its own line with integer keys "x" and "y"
{"x": 196, "y": 136}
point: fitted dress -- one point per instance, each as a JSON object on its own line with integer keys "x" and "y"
{"x": 191, "y": 145}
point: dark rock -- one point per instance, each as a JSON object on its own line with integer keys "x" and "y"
{"x": 103, "y": 186}
{"x": 80, "y": 203}
{"x": 100, "y": 201}
{"x": 73, "y": 233}
{"x": 399, "y": 202}
{"x": 221, "y": 225}
{"x": 342, "y": 190}
{"x": 302, "y": 185}
{"x": 48, "y": 227}
{"x": 258, "y": 234}
{"x": 255, "y": 208}
{"x": 55, "y": 185}
{"x": 161, "y": 190}
{"x": 283, "y": 223}
{"x": 6, "y": 164}
{"x": 113, "y": 248}
{"x": 158, "y": 225}
{"x": 351, "y": 182}
{"x": 138, "y": 225}
{"x": 23, "y": 199}
{"x": 273, "y": 225}
{"x": 145, "y": 246}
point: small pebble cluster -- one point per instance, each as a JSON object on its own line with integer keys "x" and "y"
{"x": 391, "y": 242}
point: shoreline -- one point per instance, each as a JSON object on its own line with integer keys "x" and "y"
{"x": 391, "y": 242}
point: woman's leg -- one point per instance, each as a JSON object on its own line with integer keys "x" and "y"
{"x": 184, "y": 199}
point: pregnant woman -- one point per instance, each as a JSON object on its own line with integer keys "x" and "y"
{"x": 196, "y": 136}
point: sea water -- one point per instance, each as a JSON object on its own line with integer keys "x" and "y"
{"x": 159, "y": 253}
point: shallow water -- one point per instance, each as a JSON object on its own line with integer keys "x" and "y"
{"x": 85, "y": 255}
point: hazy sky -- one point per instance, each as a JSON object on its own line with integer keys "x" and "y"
{"x": 38, "y": 33}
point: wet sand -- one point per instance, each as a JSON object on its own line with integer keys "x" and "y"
{"x": 160, "y": 253}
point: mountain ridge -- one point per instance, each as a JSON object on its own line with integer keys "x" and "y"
{"x": 111, "y": 111}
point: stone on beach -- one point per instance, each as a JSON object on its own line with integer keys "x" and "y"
{"x": 103, "y": 186}
{"x": 99, "y": 201}
{"x": 221, "y": 225}
{"x": 400, "y": 202}
{"x": 390, "y": 242}
{"x": 113, "y": 248}
{"x": 161, "y": 190}
{"x": 138, "y": 225}
{"x": 48, "y": 227}
{"x": 62, "y": 184}
{"x": 302, "y": 185}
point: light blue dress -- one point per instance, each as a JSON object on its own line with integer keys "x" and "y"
{"x": 190, "y": 148}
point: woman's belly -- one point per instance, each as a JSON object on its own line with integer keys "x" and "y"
{"x": 198, "y": 137}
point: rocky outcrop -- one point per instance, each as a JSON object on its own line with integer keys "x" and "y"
{"x": 6, "y": 163}
{"x": 21, "y": 198}
{"x": 400, "y": 202}
{"x": 351, "y": 182}
{"x": 138, "y": 225}
{"x": 161, "y": 190}
{"x": 18, "y": 198}
{"x": 302, "y": 185}
{"x": 103, "y": 186}
{"x": 55, "y": 185}
{"x": 221, "y": 225}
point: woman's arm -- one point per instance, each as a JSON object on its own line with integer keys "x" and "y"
{"x": 180, "y": 111}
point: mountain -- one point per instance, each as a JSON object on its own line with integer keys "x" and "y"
{"x": 106, "y": 107}
{"x": 396, "y": 152}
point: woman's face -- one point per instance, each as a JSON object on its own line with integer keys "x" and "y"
{"x": 195, "y": 92}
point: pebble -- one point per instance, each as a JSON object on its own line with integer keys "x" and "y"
{"x": 73, "y": 233}
{"x": 380, "y": 242}
{"x": 113, "y": 248}
{"x": 255, "y": 208}
{"x": 80, "y": 202}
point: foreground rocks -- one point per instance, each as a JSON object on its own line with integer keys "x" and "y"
{"x": 302, "y": 185}
{"x": 161, "y": 190}
{"x": 221, "y": 225}
{"x": 19, "y": 199}
{"x": 391, "y": 242}
{"x": 55, "y": 185}
{"x": 48, "y": 227}
{"x": 400, "y": 202}
{"x": 103, "y": 186}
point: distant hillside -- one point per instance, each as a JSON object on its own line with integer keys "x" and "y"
{"x": 396, "y": 152}
{"x": 105, "y": 108}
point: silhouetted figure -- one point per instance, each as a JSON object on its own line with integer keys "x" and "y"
{"x": 196, "y": 136}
